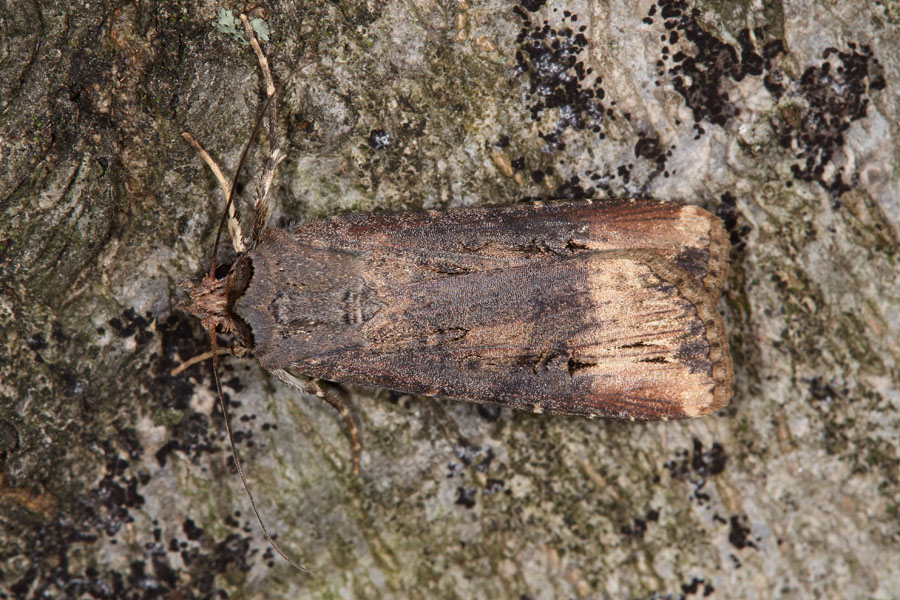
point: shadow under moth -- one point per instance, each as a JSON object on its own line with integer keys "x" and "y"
{"x": 588, "y": 308}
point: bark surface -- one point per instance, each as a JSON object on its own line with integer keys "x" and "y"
{"x": 115, "y": 480}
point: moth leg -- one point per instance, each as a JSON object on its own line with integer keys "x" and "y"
{"x": 234, "y": 220}
{"x": 331, "y": 395}
{"x": 262, "y": 205}
{"x": 238, "y": 351}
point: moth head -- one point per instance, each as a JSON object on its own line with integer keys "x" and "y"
{"x": 209, "y": 303}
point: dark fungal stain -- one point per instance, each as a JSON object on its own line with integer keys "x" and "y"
{"x": 696, "y": 585}
{"x": 648, "y": 147}
{"x": 702, "y": 63}
{"x": 831, "y": 94}
{"x": 533, "y": 5}
{"x": 379, "y": 139}
{"x": 104, "y": 512}
{"x": 739, "y": 533}
{"x": 186, "y": 561}
{"x": 191, "y": 530}
{"x": 572, "y": 190}
{"x": 836, "y": 94}
{"x": 562, "y": 91}
{"x": 550, "y": 59}
{"x": 698, "y": 467}
{"x": 133, "y": 325}
{"x": 472, "y": 454}
{"x": 638, "y": 527}
{"x": 473, "y": 459}
{"x": 728, "y": 212}
{"x": 190, "y": 432}
{"x": 702, "y": 68}
{"x": 489, "y": 412}
{"x": 708, "y": 463}
{"x": 485, "y": 463}
{"x": 466, "y": 497}
{"x": 493, "y": 486}
{"x": 36, "y": 342}
{"x": 821, "y": 390}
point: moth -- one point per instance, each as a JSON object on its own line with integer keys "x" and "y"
{"x": 587, "y": 308}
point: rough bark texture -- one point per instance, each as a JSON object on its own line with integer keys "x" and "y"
{"x": 115, "y": 481}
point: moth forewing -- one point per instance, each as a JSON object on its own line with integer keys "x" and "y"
{"x": 573, "y": 308}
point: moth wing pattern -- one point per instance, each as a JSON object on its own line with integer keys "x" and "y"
{"x": 564, "y": 308}
{"x": 687, "y": 235}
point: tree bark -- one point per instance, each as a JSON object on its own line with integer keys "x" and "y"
{"x": 116, "y": 479}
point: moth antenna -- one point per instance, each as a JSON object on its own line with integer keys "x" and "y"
{"x": 237, "y": 460}
{"x": 263, "y": 205}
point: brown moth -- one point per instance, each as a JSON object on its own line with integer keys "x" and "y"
{"x": 588, "y": 308}
{"x": 573, "y": 308}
